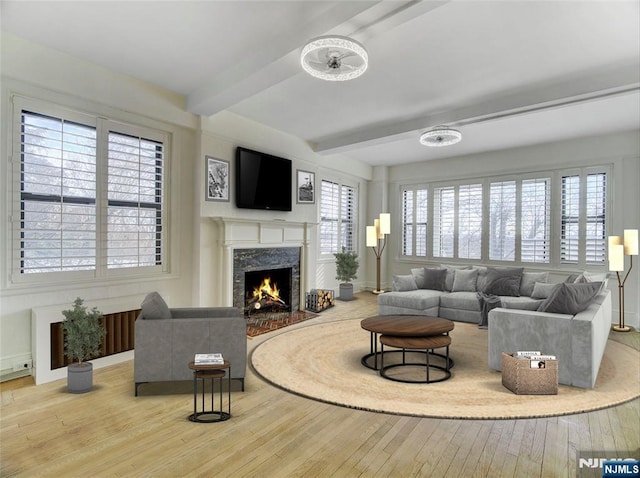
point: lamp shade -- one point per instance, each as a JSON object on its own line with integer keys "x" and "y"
{"x": 631, "y": 242}
{"x": 372, "y": 236}
{"x": 616, "y": 257}
{"x": 614, "y": 241}
{"x": 385, "y": 224}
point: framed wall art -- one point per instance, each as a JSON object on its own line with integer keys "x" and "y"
{"x": 306, "y": 187}
{"x": 217, "y": 179}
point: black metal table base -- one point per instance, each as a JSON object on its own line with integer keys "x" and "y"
{"x": 425, "y": 365}
{"x": 209, "y": 417}
{"x": 375, "y": 356}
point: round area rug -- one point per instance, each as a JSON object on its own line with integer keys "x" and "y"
{"x": 322, "y": 362}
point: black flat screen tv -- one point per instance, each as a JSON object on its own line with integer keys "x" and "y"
{"x": 263, "y": 181}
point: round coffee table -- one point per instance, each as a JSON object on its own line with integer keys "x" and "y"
{"x": 402, "y": 326}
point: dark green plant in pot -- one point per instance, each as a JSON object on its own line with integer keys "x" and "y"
{"x": 83, "y": 336}
{"x": 346, "y": 270}
{"x": 83, "y": 332}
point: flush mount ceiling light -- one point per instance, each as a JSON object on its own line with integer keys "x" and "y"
{"x": 441, "y": 136}
{"x": 334, "y": 58}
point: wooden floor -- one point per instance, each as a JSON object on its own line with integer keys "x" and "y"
{"x": 109, "y": 432}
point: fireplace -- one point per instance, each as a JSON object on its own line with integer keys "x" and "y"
{"x": 267, "y": 290}
{"x": 251, "y": 266}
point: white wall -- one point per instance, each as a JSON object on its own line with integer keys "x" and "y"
{"x": 621, "y": 150}
{"x": 39, "y": 73}
{"x": 219, "y": 137}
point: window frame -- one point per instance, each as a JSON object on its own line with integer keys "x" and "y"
{"x": 341, "y": 223}
{"x": 103, "y": 125}
{"x": 553, "y": 203}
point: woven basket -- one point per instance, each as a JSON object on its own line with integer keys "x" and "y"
{"x": 521, "y": 379}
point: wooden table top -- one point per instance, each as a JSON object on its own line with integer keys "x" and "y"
{"x": 407, "y": 325}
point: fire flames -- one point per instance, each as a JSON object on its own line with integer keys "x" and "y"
{"x": 267, "y": 290}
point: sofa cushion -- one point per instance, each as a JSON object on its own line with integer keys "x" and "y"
{"x": 570, "y": 298}
{"x": 451, "y": 268}
{"x": 434, "y": 279}
{"x": 503, "y": 281}
{"x": 521, "y": 303}
{"x": 154, "y": 307}
{"x": 542, "y": 290}
{"x": 464, "y": 280}
{"x": 461, "y": 301}
{"x": 529, "y": 279}
{"x": 420, "y": 299}
{"x": 404, "y": 282}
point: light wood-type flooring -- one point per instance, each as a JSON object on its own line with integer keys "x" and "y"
{"x": 109, "y": 432}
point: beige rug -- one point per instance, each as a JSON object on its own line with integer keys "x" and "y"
{"x": 322, "y": 362}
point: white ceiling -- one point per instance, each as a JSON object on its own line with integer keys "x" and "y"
{"x": 506, "y": 73}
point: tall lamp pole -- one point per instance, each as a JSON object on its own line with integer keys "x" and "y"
{"x": 377, "y": 240}
{"x": 617, "y": 250}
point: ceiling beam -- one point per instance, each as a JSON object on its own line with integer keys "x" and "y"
{"x": 588, "y": 87}
{"x": 276, "y": 61}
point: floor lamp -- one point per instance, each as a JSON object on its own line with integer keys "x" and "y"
{"x": 377, "y": 240}
{"x": 618, "y": 248}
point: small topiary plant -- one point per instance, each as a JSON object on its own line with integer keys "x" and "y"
{"x": 83, "y": 332}
{"x": 346, "y": 265}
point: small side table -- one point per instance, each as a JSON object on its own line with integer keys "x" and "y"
{"x": 213, "y": 373}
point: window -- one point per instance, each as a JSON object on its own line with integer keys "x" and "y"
{"x": 65, "y": 163}
{"x": 583, "y": 218}
{"x": 338, "y": 217}
{"x": 511, "y": 220}
{"x": 414, "y": 222}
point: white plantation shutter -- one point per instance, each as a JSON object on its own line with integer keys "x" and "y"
{"x": 329, "y": 214}
{"x": 570, "y": 233}
{"x": 444, "y": 211}
{"x": 338, "y": 217}
{"x": 57, "y": 195}
{"x": 584, "y": 209}
{"x": 134, "y": 213}
{"x": 470, "y": 221}
{"x": 535, "y": 220}
{"x": 596, "y": 205}
{"x": 502, "y": 221}
{"x": 414, "y": 222}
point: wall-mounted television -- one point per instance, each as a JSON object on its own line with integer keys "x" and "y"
{"x": 263, "y": 181}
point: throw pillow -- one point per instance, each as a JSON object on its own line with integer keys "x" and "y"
{"x": 570, "y": 298}
{"x": 403, "y": 283}
{"x": 542, "y": 290}
{"x": 434, "y": 279}
{"x": 418, "y": 275}
{"x": 451, "y": 268}
{"x": 503, "y": 281}
{"x": 529, "y": 279}
{"x": 595, "y": 277}
{"x": 154, "y": 307}
{"x": 464, "y": 280}
{"x": 482, "y": 277}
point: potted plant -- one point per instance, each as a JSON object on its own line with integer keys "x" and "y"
{"x": 83, "y": 335}
{"x": 346, "y": 269}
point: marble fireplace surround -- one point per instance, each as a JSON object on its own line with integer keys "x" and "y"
{"x": 236, "y": 236}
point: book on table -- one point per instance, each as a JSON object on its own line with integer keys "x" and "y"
{"x": 208, "y": 359}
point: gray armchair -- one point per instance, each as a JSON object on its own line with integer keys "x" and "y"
{"x": 166, "y": 340}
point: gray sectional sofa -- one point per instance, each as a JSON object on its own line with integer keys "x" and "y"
{"x": 167, "y": 339}
{"x": 524, "y": 312}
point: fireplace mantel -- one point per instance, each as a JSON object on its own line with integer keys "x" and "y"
{"x": 236, "y": 233}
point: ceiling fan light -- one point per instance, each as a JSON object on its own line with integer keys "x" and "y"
{"x": 332, "y": 67}
{"x": 440, "y": 136}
